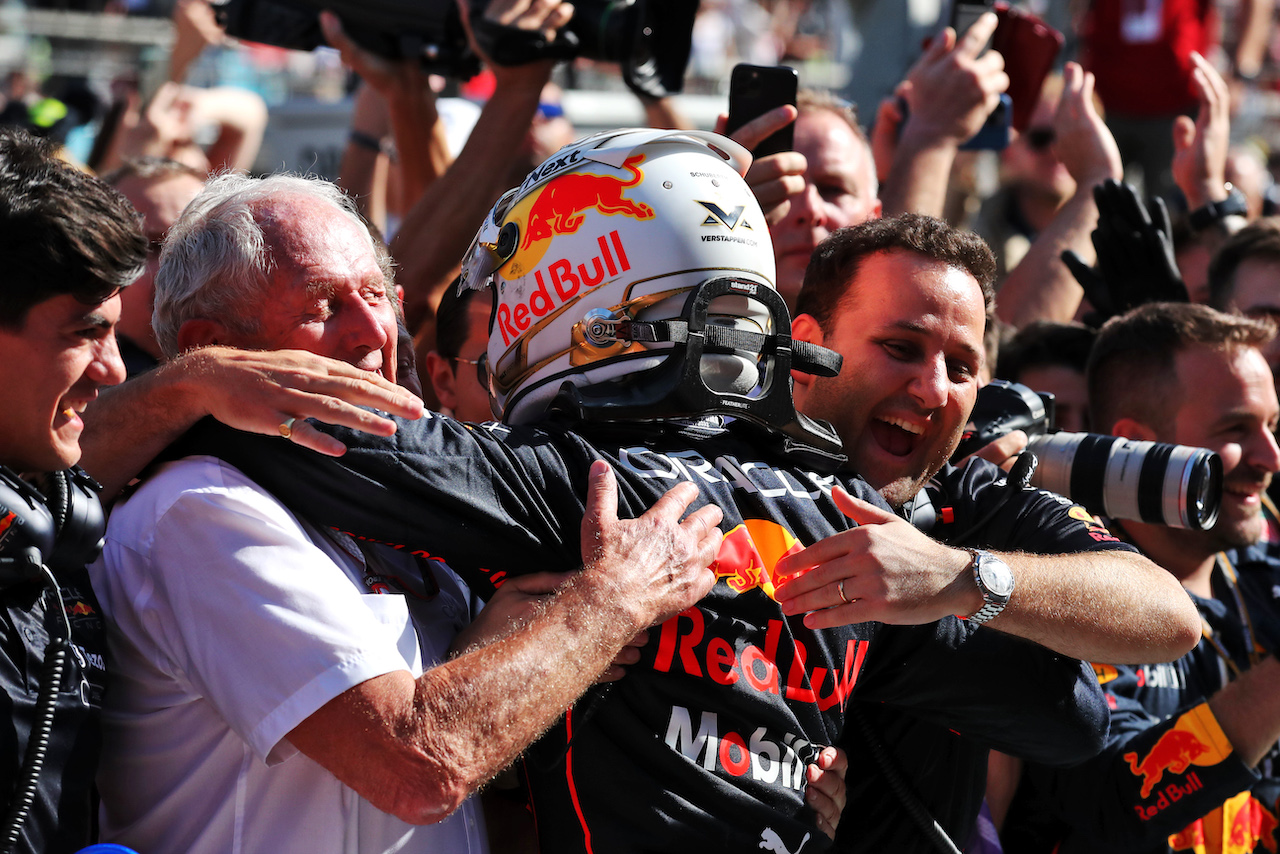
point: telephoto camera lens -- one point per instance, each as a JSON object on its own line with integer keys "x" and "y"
{"x": 1173, "y": 485}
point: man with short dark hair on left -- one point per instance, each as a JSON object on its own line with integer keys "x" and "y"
{"x": 70, "y": 245}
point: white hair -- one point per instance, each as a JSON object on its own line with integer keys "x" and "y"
{"x": 215, "y": 263}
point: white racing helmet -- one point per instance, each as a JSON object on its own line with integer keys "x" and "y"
{"x": 633, "y": 275}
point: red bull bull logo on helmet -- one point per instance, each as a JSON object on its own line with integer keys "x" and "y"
{"x": 561, "y": 207}
{"x": 1196, "y": 739}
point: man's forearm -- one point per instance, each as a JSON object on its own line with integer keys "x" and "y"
{"x": 129, "y": 425}
{"x": 421, "y": 144}
{"x": 418, "y": 748}
{"x": 438, "y": 229}
{"x": 515, "y": 688}
{"x": 919, "y": 175}
{"x": 1041, "y": 286}
{"x": 1099, "y": 606}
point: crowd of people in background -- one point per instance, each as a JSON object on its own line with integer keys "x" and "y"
{"x": 1119, "y": 250}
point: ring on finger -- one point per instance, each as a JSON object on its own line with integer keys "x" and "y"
{"x": 286, "y": 427}
{"x": 843, "y": 598}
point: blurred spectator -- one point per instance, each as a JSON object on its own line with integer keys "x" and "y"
{"x": 158, "y": 189}
{"x": 1244, "y": 277}
{"x": 1128, "y": 45}
{"x": 209, "y": 129}
{"x": 1041, "y": 286}
{"x": 1193, "y": 251}
{"x": 1034, "y": 184}
{"x": 1247, "y": 172}
{"x": 27, "y": 107}
{"x": 727, "y": 32}
{"x": 1051, "y": 357}
{"x": 887, "y": 39}
{"x": 812, "y": 32}
{"x": 839, "y": 181}
{"x": 176, "y": 121}
{"x": 549, "y": 131}
{"x": 830, "y": 179}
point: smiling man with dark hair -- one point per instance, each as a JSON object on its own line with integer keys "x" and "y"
{"x": 70, "y": 244}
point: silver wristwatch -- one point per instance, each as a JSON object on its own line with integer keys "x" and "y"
{"x": 994, "y": 580}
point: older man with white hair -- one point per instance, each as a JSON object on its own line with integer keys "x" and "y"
{"x": 276, "y": 688}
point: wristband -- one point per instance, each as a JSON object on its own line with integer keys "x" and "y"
{"x": 1234, "y": 204}
{"x": 360, "y": 139}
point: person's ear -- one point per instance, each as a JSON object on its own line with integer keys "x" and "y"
{"x": 1131, "y": 428}
{"x": 200, "y": 332}
{"x": 440, "y": 374}
{"x": 804, "y": 328}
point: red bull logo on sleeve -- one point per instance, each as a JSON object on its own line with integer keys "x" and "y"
{"x": 1251, "y": 823}
{"x": 1241, "y": 825}
{"x": 1196, "y": 739}
{"x": 749, "y": 553}
{"x": 1093, "y": 525}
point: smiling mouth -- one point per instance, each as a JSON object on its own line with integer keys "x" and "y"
{"x": 895, "y": 435}
{"x": 1244, "y": 492}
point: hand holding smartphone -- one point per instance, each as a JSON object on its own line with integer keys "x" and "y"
{"x": 755, "y": 90}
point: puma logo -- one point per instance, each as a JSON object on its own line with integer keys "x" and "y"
{"x": 770, "y": 841}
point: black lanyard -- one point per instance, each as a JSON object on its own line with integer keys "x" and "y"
{"x": 1256, "y": 653}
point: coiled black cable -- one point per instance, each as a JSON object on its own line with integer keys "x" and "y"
{"x": 42, "y": 727}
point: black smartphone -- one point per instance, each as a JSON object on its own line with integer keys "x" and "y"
{"x": 755, "y": 90}
{"x": 995, "y": 131}
{"x": 964, "y": 14}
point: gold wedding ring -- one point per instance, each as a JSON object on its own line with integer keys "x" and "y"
{"x": 286, "y": 427}
{"x": 843, "y": 598}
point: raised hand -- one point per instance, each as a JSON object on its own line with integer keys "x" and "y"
{"x": 1136, "y": 264}
{"x": 778, "y": 177}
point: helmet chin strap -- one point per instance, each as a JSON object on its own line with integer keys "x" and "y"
{"x": 679, "y": 388}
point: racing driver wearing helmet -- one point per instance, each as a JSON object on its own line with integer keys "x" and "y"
{"x": 635, "y": 320}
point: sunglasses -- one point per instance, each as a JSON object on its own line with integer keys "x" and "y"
{"x": 481, "y": 365}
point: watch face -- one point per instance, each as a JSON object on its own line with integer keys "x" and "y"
{"x": 996, "y": 576}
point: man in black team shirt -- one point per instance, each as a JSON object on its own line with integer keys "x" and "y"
{"x": 70, "y": 244}
{"x": 889, "y": 297}
{"x": 633, "y": 305}
{"x": 1190, "y": 763}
